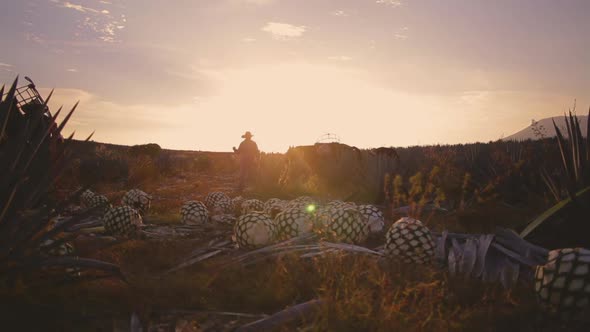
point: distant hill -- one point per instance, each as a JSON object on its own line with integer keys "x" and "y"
{"x": 546, "y": 127}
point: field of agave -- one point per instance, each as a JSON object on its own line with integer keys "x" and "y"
{"x": 95, "y": 237}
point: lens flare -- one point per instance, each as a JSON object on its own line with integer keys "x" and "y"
{"x": 310, "y": 208}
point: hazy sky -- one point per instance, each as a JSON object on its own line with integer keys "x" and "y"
{"x": 197, "y": 74}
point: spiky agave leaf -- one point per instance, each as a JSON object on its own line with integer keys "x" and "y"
{"x": 575, "y": 167}
{"x": 33, "y": 155}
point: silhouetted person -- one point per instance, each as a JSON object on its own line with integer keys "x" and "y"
{"x": 248, "y": 153}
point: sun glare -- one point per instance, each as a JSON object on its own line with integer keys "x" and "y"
{"x": 296, "y": 103}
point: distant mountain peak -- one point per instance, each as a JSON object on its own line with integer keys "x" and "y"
{"x": 544, "y": 128}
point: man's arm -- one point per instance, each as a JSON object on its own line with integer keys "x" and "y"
{"x": 240, "y": 148}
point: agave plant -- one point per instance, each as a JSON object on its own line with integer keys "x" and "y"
{"x": 500, "y": 257}
{"x": 566, "y": 223}
{"x": 33, "y": 155}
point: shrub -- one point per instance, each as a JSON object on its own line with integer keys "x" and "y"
{"x": 151, "y": 150}
{"x": 99, "y": 169}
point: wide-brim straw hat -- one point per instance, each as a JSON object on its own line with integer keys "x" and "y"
{"x": 247, "y": 134}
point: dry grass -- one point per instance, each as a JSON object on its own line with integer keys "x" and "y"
{"x": 360, "y": 293}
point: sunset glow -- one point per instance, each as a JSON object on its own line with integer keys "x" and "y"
{"x": 197, "y": 74}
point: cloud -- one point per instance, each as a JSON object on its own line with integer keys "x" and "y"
{"x": 5, "y": 67}
{"x": 114, "y": 122}
{"x": 259, "y": 2}
{"x": 393, "y": 3}
{"x": 101, "y": 23}
{"x": 340, "y": 13}
{"x": 72, "y": 70}
{"x": 340, "y": 58}
{"x": 401, "y": 33}
{"x": 284, "y": 30}
{"x": 79, "y": 8}
{"x": 33, "y": 37}
{"x": 248, "y": 39}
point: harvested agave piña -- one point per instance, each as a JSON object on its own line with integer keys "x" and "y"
{"x": 122, "y": 221}
{"x": 138, "y": 200}
{"x": 343, "y": 224}
{"x": 236, "y": 205}
{"x": 213, "y": 197}
{"x": 303, "y": 202}
{"x": 409, "y": 240}
{"x": 373, "y": 216}
{"x": 99, "y": 200}
{"x": 254, "y": 230}
{"x": 194, "y": 213}
{"x": 85, "y": 198}
{"x": 273, "y": 207}
{"x": 251, "y": 205}
{"x": 222, "y": 206}
{"x": 293, "y": 222}
{"x": 563, "y": 283}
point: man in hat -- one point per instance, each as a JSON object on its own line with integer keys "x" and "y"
{"x": 248, "y": 153}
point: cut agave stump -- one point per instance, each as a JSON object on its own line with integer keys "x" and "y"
{"x": 254, "y": 230}
{"x": 122, "y": 221}
{"x": 563, "y": 284}
{"x": 409, "y": 240}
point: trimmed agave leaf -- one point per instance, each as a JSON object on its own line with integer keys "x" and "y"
{"x": 350, "y": 248}
{"x": 81, "y": 263}
{"x": 291, "y": 315}
{"x": 320, "y": 252}
{"x": 440, "y": 251}
{"x": 493, "y": 265}
{"x": 193, "y": 261}
{"x": 510, "y": 239}
{"x": 480, "y": 256}
{"x": 135, "y": 323}
{"x": 468, "y": 257}
{"x": 483, "y": 244}
{"x": 299, "y": 250}
{"x": 509, "y": 273}
{"x": 509, "y": 253}
{"x": 452, "y": 263}
{"x": 458, "y": 248}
